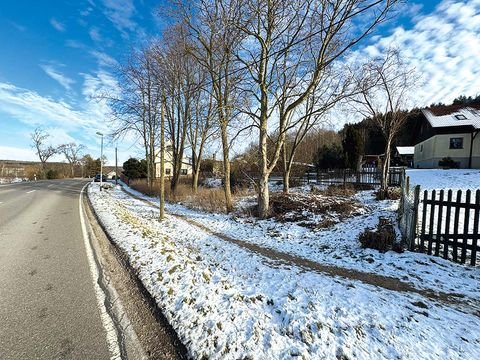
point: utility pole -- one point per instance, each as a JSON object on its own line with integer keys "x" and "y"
{"x": 101, "y": 161}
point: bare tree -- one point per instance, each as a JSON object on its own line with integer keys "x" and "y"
{"x": 288, "y": 46}
{"x": 385, "y": 85}
{"x": 43, "y": 151}
{"x": 200, "y": 130}
{"x": 136, "y": 108}
{"x": 211, "y": 25}
{"x": 72, "y": 153}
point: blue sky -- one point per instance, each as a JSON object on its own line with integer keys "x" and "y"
{"x": 55, "y": 58}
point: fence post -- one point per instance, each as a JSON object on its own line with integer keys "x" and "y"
{"x": 413, "y": 226}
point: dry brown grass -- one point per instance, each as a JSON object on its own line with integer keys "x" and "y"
{"x": 206, "y": 199}
{"x": 341, "y": 189}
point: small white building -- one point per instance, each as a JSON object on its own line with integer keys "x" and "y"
{"x": 185, "y": 170}
{"x": 449, "y": 132}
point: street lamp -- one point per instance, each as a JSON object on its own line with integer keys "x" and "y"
{"x": 101, "y": 160}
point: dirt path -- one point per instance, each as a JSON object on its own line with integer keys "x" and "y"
{"x": 463, "y": 304}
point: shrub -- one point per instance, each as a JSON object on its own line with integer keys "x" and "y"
{"x": 51, "y": 174}
{"x": 392, "y": 193}
{"x": 448, "y": 162}
{"x": 381, "y": 239}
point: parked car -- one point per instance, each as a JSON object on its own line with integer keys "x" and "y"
{"x": 97, "y": 178}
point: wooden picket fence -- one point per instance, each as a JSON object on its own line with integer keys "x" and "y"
{"x": 441, "y": 232}
{"x": 442, "y": 223}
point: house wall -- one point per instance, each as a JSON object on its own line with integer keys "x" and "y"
{"x": 429, "y": 152}
{"x": 169, "y": 165}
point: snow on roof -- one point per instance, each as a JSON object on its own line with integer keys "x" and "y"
{"x": 406, "y": 150}
{"x": 466, "y": 116}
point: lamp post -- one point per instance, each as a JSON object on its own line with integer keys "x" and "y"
{"x": 101, "y": 160}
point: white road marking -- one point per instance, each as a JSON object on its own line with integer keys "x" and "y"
{"x": 50, "y": 185}
{"x": 107, "y": 321}
{"x": 28, "y": 192}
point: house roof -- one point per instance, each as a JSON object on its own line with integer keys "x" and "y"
{"x": 406, "y": 150}
{"x": 455, "y": 115}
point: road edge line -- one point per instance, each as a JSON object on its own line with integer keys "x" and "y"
{"x": 107, "y": 321}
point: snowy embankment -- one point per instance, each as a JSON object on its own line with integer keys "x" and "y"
{"x": 226, "y": 302}
{"x": 438, "y": 179}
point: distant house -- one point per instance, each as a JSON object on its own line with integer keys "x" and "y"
{"x": 185, "y": 170}
{"x": 404, "y": 155}
{"x": 449, "y": 131}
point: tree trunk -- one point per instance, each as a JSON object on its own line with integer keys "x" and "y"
{"x": 226, "y": 169}
{"x": 162, "y": 162}
{"x": 386, "y": 167}
{"x": 195, "y": 181}
{"x": 263, "y": 191}
{"x": 286, "y": 170}
{"x": 263, "y": 196}
{"x": 286, "y": 181}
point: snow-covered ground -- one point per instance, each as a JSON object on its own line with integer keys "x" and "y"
{"x": 455, "y": 179}
{"x": 11, "y": 180}
{"x": 227, "y": 302}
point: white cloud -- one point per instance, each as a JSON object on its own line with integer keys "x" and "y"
{"x": 444, "y": 48}
{"x": 31, "y": 108}
{"x": 120, "y": 13}
{"x": 74, "y": 44}
{"x": 63, "y": 80}
{"x": 103, "y": 59}
{"x": 95, "y": 34}
{"x": 24, "y": 154}
{"x": 57, "y": 25}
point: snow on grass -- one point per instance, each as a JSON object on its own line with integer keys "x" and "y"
{"x": 338, "y": 245}
{"x": 456, "y": 179}
{"x": 228, "y": 303}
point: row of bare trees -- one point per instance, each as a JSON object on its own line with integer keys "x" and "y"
{"x": 271, "y": 67}
{"x": 44, "y": 150}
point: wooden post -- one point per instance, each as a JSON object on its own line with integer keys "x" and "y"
{"x": 475, "y": 237}
{"x": 413, "y": 226}
{"x": 466, "y": 223}
{"x": 446, "y": 240}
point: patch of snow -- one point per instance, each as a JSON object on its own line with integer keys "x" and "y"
{"x": 226, "y": 302}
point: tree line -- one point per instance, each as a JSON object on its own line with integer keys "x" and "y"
{"x": 72, "y": 152}
{"x": 224, "y": 70}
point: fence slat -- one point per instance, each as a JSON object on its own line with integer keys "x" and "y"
{"x": 424, "y": 220}
{"x": 455, "y": 229}
{"x": 447, "y": 226}
{"x": 413, "y": 225}
{"x": 439, "y": 225}
{"x": 476, "y": 220}
{"x": 430, "y": 225}
{"x": 466, "y": 223}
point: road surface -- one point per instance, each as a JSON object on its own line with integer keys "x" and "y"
{"x": 48, "y": 306}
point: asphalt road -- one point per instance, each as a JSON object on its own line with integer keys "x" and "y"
{"x": 48, "y": 308}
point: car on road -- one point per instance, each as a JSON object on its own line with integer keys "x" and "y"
{"x": 97, "y": 178}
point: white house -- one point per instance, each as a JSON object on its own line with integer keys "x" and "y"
{"x": 185, "y": 170}
{"x": 449, "y": 131}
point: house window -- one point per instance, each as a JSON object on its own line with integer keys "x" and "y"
{"x": 167, "y": 171}
{"x": 184, "y": 171}
{"x": 421, "y": 148}
{"x": 461, "y": 117}
{"x": 456, "y": 143}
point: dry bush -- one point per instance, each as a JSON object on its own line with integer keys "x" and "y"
{"x": 381, "y": 239}
{"x": 393, "y": 193}
{"x": 303, "y": 207}
{"x": 348, "y": 189}
{"x": 206, "y": 199}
